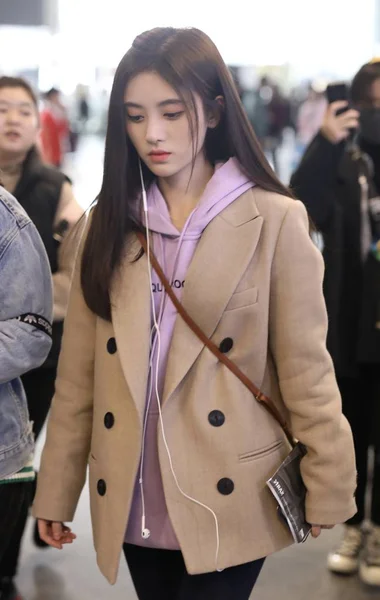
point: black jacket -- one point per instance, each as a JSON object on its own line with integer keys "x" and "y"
{"x": 38, "y": 191}
{"x": 327, "y": 181}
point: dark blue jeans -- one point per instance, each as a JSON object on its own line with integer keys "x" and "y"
{"x": 162, "y": 575}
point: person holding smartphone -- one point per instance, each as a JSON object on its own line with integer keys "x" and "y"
{"x": 339, "y": 182}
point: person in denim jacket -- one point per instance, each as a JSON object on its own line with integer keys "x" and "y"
{"x": 46, "y": 194}
{"x": 25, "y": 341}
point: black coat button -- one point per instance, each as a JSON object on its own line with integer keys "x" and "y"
{"x": 226, "y": 486}
{"x": 102, "y": 488}
{"x": 109, "y": 420}
{"x": 216, "y": 418}
{"x": 111, "y": 346}
{"x": 226, "y": 345}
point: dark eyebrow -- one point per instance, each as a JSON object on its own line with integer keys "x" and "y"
{"x": 168, "y": 102}
{"x": 22, "y": 104}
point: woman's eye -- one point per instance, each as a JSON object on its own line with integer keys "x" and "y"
{"x": 135, "y": 118}
{"x": 174, "y": 115}
{"x": 26, "y": 113}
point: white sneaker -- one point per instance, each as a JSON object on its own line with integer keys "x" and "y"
{"x": 345, "y": 559}
{"x": 369, "y": 569}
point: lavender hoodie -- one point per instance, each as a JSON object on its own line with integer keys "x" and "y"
{"x": 174, "y": 251}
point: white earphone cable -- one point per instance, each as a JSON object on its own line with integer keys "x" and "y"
{"x": 144, "y": 531}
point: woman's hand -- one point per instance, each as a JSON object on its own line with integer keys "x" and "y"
{"x": 55, "y": 533}
{"x": 336, "y": 128}
{"x": 316, "y": 530}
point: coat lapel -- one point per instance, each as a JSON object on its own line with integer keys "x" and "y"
{"x": 131, "y": 316}
{"x": 221, "y": 258}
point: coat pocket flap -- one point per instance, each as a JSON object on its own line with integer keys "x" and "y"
{"x": 261, "y": 452}
{"x": 244, "y": 298}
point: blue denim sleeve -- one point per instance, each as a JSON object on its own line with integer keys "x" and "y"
{"x": 25, "y": 288}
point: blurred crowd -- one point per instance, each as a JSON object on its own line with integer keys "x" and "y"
{"x": 272, "y": 111}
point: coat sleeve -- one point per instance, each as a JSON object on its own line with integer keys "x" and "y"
{"x": 315, "y": 179}
{"x": 64, "y": 460}
{"x": 298, "y": 329}
{"x": 25, "y": 290}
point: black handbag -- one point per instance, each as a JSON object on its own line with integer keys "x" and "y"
{"x": 286, "y": 484}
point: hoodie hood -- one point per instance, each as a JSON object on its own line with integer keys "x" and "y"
{"x": 228, "y": 183}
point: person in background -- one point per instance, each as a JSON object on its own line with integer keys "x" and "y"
{"x": 339, "y": 182}
{"x": 278, "y": 119}
{"x": 47, "y": 197}
{"x": 55, "y": 129}
{"x": 179, "y": 451}
{"x": 269, "y": 113}
{"x": 25, "y": 340}
{"x": 83, "y": 107}
{"x": 309, "y": 120}
{"x": 256, "y": 103}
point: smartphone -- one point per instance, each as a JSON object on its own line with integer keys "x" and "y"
{"x": 336, "y": 92}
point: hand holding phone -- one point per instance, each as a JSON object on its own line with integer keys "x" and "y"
{"x": 337, "y": 125}
{"x": 340, "y": 119}
{"x": 338, "y": 92}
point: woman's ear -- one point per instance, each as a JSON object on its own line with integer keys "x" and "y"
{"x": 216, "y": 112}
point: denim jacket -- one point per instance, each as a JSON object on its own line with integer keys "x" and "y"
{"x": 25, "y": 330}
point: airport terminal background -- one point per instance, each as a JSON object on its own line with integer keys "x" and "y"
{"x": 74, "y": 45}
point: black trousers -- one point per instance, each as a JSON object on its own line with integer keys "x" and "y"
{"x": 14, "y": 507}
{"x": 162, "y": 575}
{"x": 361, "y": 406}
{"x": 39, "y": 389}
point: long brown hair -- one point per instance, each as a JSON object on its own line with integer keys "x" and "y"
{"x": 189, "y": 61}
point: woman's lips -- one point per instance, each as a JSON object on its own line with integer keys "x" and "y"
{"x": 12, "y": 135}
{"x": 158, "y": 157}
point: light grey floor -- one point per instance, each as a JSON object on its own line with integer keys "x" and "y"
{"x": 297, "y": 574}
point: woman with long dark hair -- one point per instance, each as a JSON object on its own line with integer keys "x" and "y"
{"x": 179, "y": 450}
